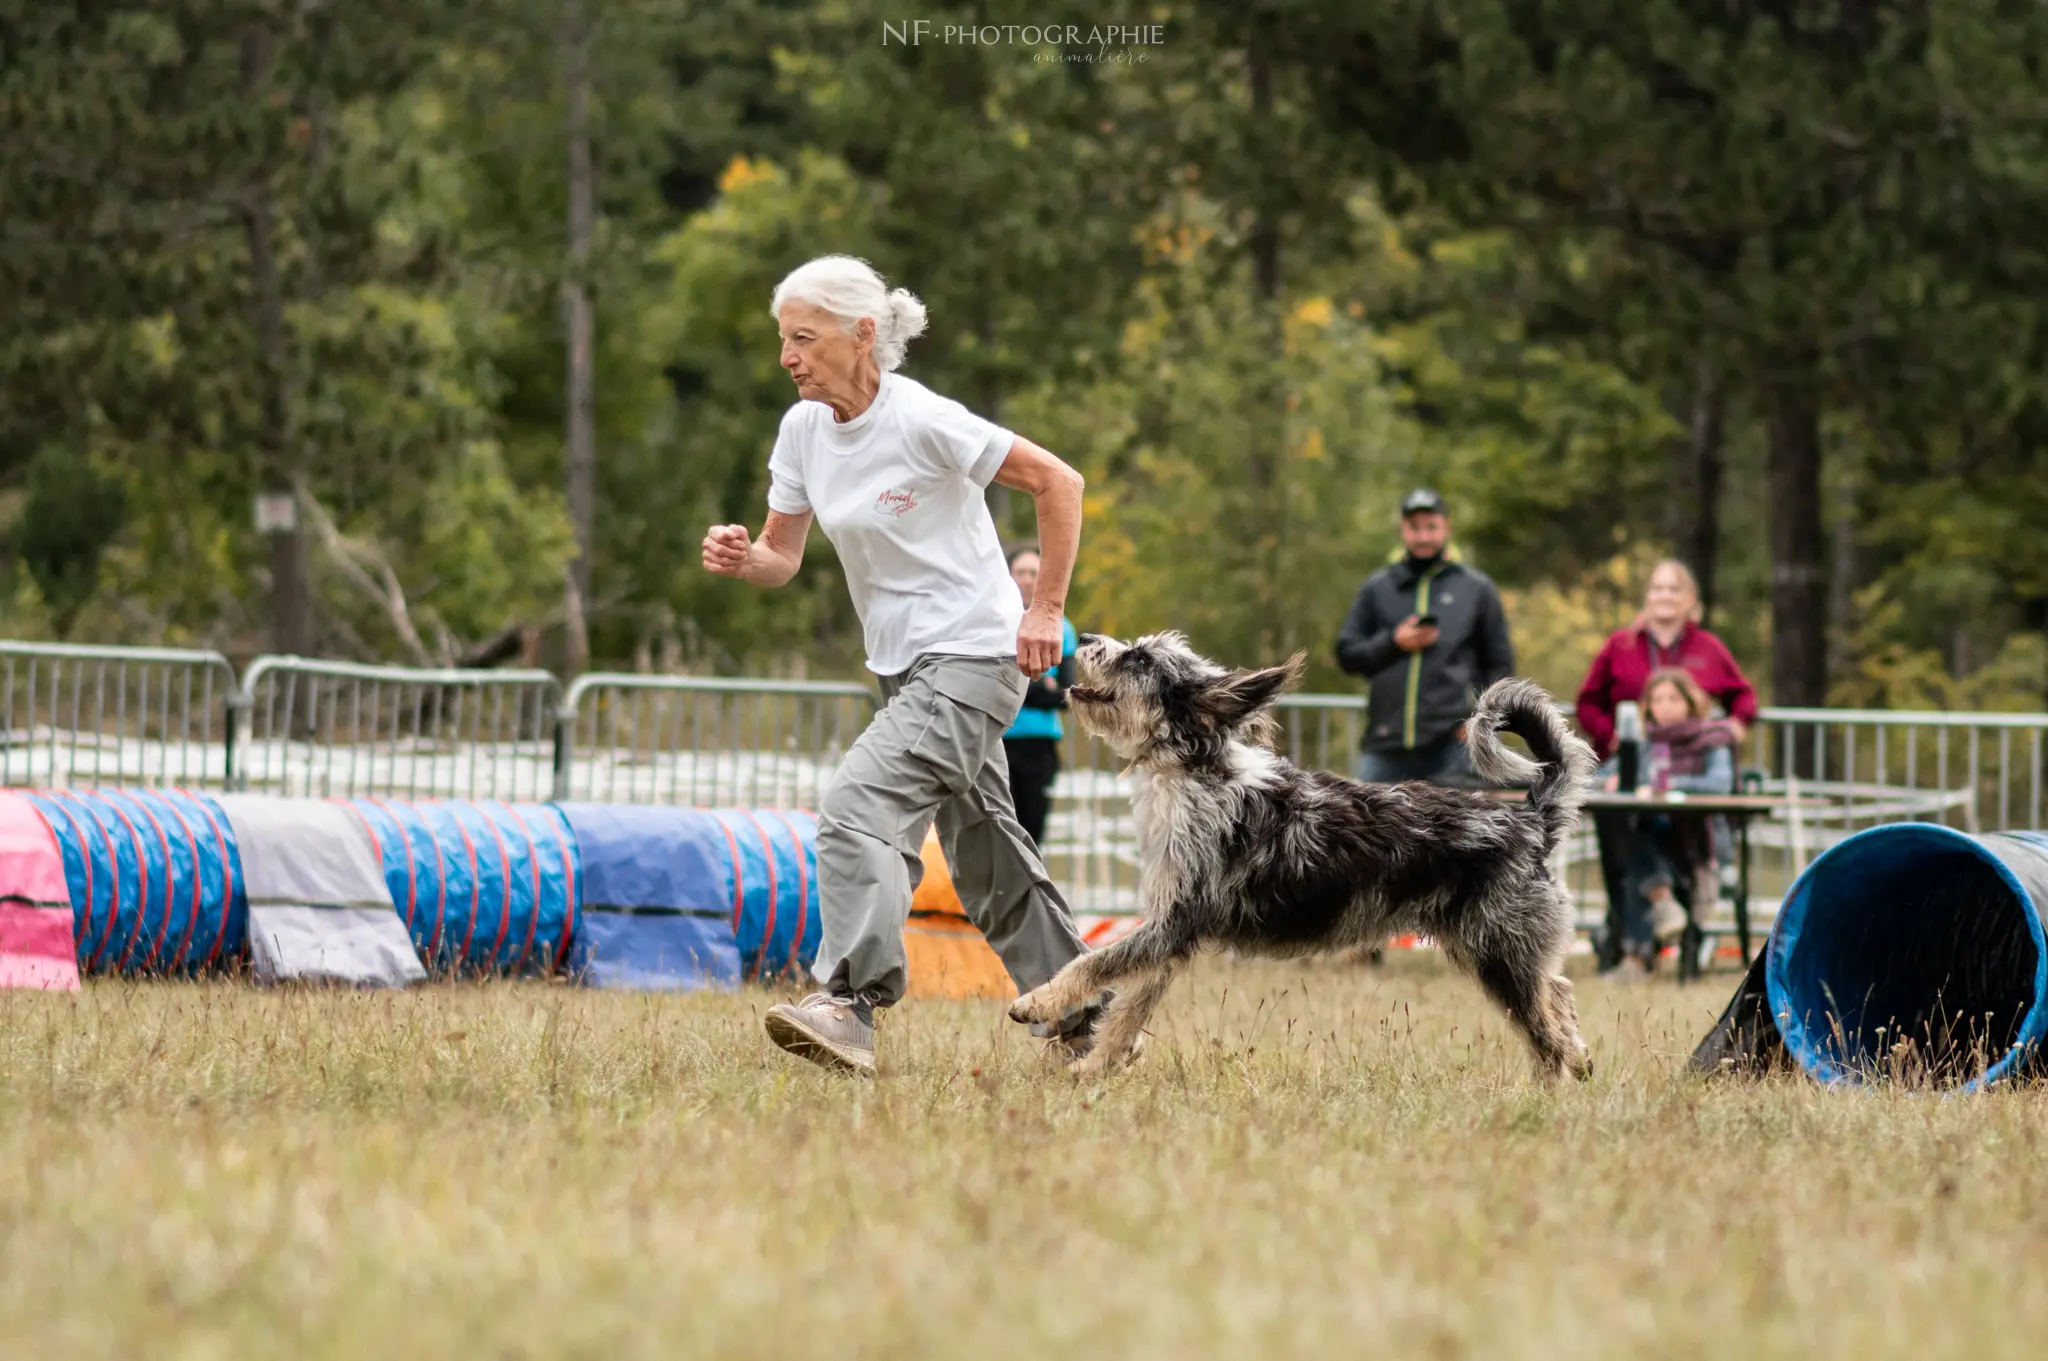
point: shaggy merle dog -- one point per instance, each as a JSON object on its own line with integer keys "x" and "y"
{"x": 1240, "y": 848}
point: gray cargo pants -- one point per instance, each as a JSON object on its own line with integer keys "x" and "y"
{"x": 936, "y": 748}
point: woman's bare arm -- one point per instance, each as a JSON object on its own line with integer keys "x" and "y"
{"x": 1055, "y": 491}
{"x": 771, "y": 560}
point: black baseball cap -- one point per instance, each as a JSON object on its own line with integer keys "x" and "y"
{"x": 1421, "y": 499}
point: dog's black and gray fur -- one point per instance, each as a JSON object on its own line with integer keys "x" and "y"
{"x": 1239, "y": 848}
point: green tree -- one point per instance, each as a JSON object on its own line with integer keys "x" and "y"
{"x": 1765, "y": 179}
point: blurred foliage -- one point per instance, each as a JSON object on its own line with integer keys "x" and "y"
{"x": 1302, "y": 256}
{"x": 1562, "y": 624}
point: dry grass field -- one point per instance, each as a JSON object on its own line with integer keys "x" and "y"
{"x": 1313, "y": 1160}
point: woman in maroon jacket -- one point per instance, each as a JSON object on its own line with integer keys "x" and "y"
{"x": 1666, "y": 633}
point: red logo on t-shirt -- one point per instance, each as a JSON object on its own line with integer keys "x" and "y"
{"x": 898, "y": 503}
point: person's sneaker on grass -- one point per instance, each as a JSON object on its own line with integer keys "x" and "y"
{"x": 832, "y": 1032}
{"x": 1629, "y": 969}
{"x": 1667, "y": 917}
{"x": 1706, "y": 896}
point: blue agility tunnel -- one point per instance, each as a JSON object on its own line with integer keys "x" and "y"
{"x": 484, "y": 888}
{"x": 657, "y": 900}
{"x": 775, "y": 889}
{"x": 668, "y": 886}
{"x": 155, "y": 879}
{"x": 1908, "y": 950}
{"x": 675, "y": 898}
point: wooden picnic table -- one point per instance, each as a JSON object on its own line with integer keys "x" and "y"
{"x": 1614, "y": 814}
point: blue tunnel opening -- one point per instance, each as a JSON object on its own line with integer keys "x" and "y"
{"x": 1914, "y": 952}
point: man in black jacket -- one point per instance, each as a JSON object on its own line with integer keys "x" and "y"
{"x": 1430, "y": 634}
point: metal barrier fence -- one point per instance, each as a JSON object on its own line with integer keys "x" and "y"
{"x": 1973, "y": 772}
{"x": 85, "y": 715}
{"x": 80, "y": 715}
{"x": 1322, "y": 732}
{"x": 336, "y": 729}
{"x": 703, "y": 742}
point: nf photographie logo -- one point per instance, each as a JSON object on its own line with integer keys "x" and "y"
{"x": 1096, "y": 38}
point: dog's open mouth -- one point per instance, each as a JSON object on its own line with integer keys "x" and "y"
{"x": 1087, "y": 694}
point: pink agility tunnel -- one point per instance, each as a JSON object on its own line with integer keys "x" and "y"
{"x": 38, "y": 947}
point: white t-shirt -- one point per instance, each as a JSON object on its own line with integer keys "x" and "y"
{"x": 898, "y": 491}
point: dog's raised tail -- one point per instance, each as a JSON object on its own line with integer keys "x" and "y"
{"x": 1564, "y": 763}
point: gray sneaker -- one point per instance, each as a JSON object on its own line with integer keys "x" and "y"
{"x": 832, "y": 1032}
{"x": 1667, "y": 918}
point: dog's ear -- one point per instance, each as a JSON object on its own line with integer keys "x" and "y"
{"x": 1241, "y": 694}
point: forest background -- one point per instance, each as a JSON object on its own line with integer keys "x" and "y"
{"x": 478, "y": 291}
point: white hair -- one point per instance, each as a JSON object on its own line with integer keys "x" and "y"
{"x": 851, "y": 289}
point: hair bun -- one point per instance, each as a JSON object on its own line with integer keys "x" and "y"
{"x": 907, "y": 316}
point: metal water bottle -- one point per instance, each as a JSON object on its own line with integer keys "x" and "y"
{"x": 1628, "y": 732}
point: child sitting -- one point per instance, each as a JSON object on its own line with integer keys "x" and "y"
{"x": 1687, "y": 750}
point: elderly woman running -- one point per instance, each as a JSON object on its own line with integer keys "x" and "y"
{"x": 895, "y": 474}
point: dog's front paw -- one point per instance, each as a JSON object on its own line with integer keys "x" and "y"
{"x": 1101, "y": 1062}
{"x": 1108, "y": 1056}
{"x": 1092, "y": 1065}
{"x": 1032, "y": 1006}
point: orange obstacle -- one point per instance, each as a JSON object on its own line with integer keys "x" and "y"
{"x": 948, "y": 957}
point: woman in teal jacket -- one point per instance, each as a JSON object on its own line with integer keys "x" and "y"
{"x": 1033, "y": 742}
